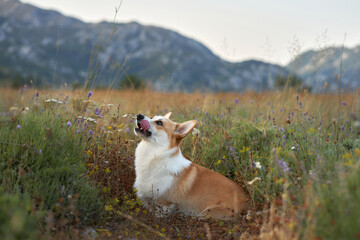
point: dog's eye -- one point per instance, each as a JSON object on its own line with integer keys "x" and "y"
{"x": 160, "y": 123}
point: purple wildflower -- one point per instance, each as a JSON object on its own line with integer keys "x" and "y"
{"x": 283, "y": 165}
{"x": 90, "y": 93}
{"x": 344, "y": 103}
{"x": 40, "y": 151}
{"x": 37, "y": 94}
{"x": 251, "y": 101}
{"x": 97, "y": 111}
{"x": 18, "y": 126}
{"x": 342, "y": 128}
{"x": 236, "y": 101}
{"x": 91, "y": 132}
{"x": 68, "y": 124}
{"x": 127, "y": 130}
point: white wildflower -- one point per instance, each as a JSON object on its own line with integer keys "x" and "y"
{"x": 258, "y": 165}
{"x": 195, "y": 132}
{"x": 254, "y": 180}
{"x": 53, "y": 100}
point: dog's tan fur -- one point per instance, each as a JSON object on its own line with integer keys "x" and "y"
{"x": 197, "y": 190}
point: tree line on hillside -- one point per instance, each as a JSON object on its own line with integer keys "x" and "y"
{"x": 132, "y": 81}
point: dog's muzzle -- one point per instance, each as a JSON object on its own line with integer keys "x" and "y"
{"x": 143, "y": 126}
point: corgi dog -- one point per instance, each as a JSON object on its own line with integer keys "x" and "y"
{"x": 164, "y": 177}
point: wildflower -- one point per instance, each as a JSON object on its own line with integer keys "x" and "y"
{"x": 232, "y": 151}
{"x": 68, "y": 124}
{"x": 251, "y": 101}
{"x": 254, "y": 180}
{"x": 91, "y": 132}
{"x": 257, "y": 165}
{"x": 109, "y": 207}
{"x": 236, "y": 101}
{"x": 342, "y": 128}
{"x": 18, "y": 126}
{"x": 90, "y": 93}
{"x": 53, "y": 100}
{"x": 97, "y": 111}
{"x": 348, "y": 163}
{"x": 37, "y": 94}
{"x": 40, "y": 151}
{"x": 293, "y": 148}
{"x": 283, "y": 165}
{"x": 218, "y": 162}
{"x": 344, "y": 103}
{"x": 127, "y": 130}
{"x": 195, "y": 132}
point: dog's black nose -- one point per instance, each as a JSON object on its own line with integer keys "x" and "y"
{"x": 140, "y": 117}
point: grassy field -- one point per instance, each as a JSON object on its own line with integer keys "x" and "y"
{"x": 70, "y": 165}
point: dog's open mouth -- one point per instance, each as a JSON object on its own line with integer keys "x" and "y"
{"x": 143, "y": 128}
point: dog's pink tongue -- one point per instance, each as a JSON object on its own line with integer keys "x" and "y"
{"x": 144, "y": 125}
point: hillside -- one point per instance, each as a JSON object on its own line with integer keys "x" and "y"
{"x": 325, "y": 66}
{"x": 55, "y": 49}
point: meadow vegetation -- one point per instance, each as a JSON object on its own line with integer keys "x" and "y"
{"x": 67, "y": 165}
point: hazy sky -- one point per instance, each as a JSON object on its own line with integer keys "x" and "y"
{"x": 234, "y": 29}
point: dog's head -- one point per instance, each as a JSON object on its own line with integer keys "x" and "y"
{"x": 162, "y": 131}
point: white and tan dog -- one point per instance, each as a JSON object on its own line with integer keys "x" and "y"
{"x": 167, "y": 179}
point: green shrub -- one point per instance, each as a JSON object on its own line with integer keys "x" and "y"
{"x": 132, "y": 82}
{"x": 17, "y": 221}
{"x": 44, "y": 157}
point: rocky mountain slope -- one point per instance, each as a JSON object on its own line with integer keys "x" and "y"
{"x": 327, "y": 69}
{"x": 55, "y": 49}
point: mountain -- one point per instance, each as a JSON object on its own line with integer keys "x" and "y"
{"x": 330, "y": 66}
{"x": 55, "y": 49}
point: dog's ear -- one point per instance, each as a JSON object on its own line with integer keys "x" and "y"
{"x": 184, "y": 128}
{"x": 168, "y": 115}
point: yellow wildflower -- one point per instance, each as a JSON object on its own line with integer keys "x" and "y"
{"x": 348, "y": 163}
{"x": 109, "y": 207}
{"x": 357, "y": 151}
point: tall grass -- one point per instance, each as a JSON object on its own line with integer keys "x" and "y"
{"x": 42, "y": 156}
{"x": 292, "y": 153}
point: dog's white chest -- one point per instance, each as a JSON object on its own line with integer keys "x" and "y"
{"x": 155, "y": 170}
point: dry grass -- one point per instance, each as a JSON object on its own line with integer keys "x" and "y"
{"x": 234, "y": 115}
